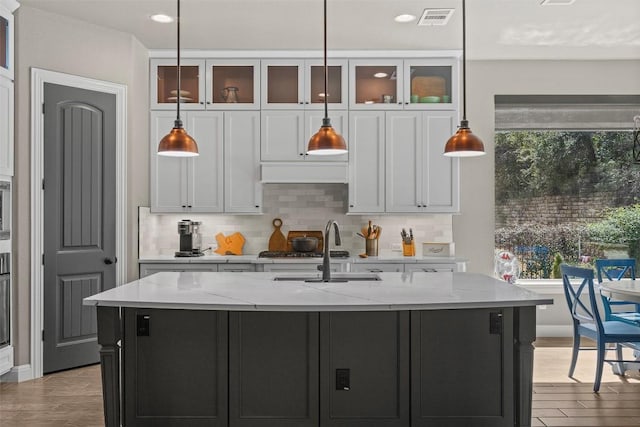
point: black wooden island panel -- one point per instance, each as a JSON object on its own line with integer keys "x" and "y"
{"x": 273, "y": 369}
{"x": 364, "y": 369}
{"x": 445, "y": 368}
{"x": 175, "y": 368}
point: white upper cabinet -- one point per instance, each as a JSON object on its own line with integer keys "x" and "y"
{"x": 164, "y": 80}
{"x": 7, "y": 7}
{"x": 6, "y": 127}
{"x": 396, "y": 84}
{"x": 286, "y": 133}
{"x": 242, "y": 186}
{"x": 212, "y": 84}
{"x": 419, "y": 178}
{"x": 188, "y": 184}
{"x": 376, "y": 84}
{"x": 299, "y": 84}
{"x": 366, "y": 162}
{"x": 233, "y": 84}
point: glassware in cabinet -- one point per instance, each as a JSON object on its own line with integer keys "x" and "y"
{"x": 233, "y": 84}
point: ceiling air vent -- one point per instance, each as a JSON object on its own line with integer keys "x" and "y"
{"x": 556, "y": 2}
{"x": 435, "y": 16}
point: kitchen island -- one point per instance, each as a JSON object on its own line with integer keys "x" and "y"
{"x": 258, "y": 349}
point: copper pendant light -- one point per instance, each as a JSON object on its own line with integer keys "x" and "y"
{"x": 178, "y": 143}
{"x": 326, "y": 141}
{"x": 464, "y": 143}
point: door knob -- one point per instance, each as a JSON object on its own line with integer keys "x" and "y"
{"x": 110, "y": 261}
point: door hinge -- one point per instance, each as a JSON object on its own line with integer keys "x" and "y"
{"x": 42, "y": 259}
{"x": 43, "y": 108}
{"x": 495, "y": 323}
{"x": 43, "y": 184}
{"x": 43, "y": 335}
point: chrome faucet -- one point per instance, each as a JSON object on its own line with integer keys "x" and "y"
{"x": 326, "y": 264}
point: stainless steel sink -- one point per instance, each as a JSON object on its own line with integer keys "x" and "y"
{"x": 335, "y": 277}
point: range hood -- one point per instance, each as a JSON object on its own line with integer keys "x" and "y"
{"x": 304, "y": 173}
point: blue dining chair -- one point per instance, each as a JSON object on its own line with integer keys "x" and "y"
{"x": 587, "y": 321}
{"x": 616, "y": 269}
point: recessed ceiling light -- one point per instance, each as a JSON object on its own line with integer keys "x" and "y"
{"x": 162, "y": 18}
{"x": 380, "y": 75}
{"x": 557, "y": 2}
{"x": 404, "y": 18}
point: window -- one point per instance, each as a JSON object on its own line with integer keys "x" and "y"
{"x": 566, "y": 187}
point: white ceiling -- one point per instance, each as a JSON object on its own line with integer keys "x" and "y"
{"x": 496, "y": 29}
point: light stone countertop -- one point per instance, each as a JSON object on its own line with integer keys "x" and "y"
{"x": 254, "y": 259}
{"x": 260, "y": 292}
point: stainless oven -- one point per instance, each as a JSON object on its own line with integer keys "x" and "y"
{"x": 5, "y": 299}
{"x": 5, "y": 210}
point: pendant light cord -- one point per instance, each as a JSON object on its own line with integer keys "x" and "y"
{"x": 179, "y": 94}
{"x": 464, "y": 63}
{"x": 326, "y": 73}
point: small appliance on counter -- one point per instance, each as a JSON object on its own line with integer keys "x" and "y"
{"x": 190, "y": 238}
{"x": 290, "y": 254}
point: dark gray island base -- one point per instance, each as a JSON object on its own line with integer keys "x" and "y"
{"x": 438, "y": 367}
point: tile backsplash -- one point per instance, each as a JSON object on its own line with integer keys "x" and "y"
{"x": 301, "y": 207}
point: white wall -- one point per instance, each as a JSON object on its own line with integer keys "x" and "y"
{"x": 57, "y": 43}
{"x": 473, "y": 229}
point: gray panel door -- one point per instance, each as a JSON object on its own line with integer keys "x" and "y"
{"x": 79, "y": 219}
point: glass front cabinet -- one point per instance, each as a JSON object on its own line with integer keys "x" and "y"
{"x": 294, "y": 84}
{"x": 224, "y": 84}
{"x": 409, "y": 84}
{"x": 6, "y": 38}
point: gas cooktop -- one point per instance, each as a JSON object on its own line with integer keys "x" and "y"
{"x": 287, "y": 254}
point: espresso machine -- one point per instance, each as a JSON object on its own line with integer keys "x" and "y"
{"x": 190, "y": 239}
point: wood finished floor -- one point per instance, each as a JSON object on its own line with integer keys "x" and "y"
{"x": 73, "y": 398}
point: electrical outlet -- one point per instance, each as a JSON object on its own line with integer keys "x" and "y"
{"x": 397, "y": 247}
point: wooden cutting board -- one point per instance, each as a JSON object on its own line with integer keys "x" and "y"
{"x": 305, "y": 233}
{"x": 277, "y": 241}
{"x": 229, "y": 245}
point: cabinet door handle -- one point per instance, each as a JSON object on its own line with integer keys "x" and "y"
{"x": 257, "y": 206}
{"x": 350, "y": 206}
{"x": 184, "y": 206}
{"x": 189, "y": 206}
{"x": 201, "y": 103}
{"x": 302, "y": 154}
{"x": 375, "y": 270}
{"x": 300, "y": 102}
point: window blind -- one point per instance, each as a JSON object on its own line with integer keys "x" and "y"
{"x": 566, "y": 112}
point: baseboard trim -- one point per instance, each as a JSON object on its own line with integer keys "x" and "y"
{"x": 554, "y": 331}
{"x": 18, "y": 374}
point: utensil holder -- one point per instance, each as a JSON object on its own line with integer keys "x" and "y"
{"x": 409, "y": 249}
{"x": 371, "y": 247}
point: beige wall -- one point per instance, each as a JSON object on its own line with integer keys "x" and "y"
{"x": 57, "y": 43}
{"x": 473, "y": 228}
